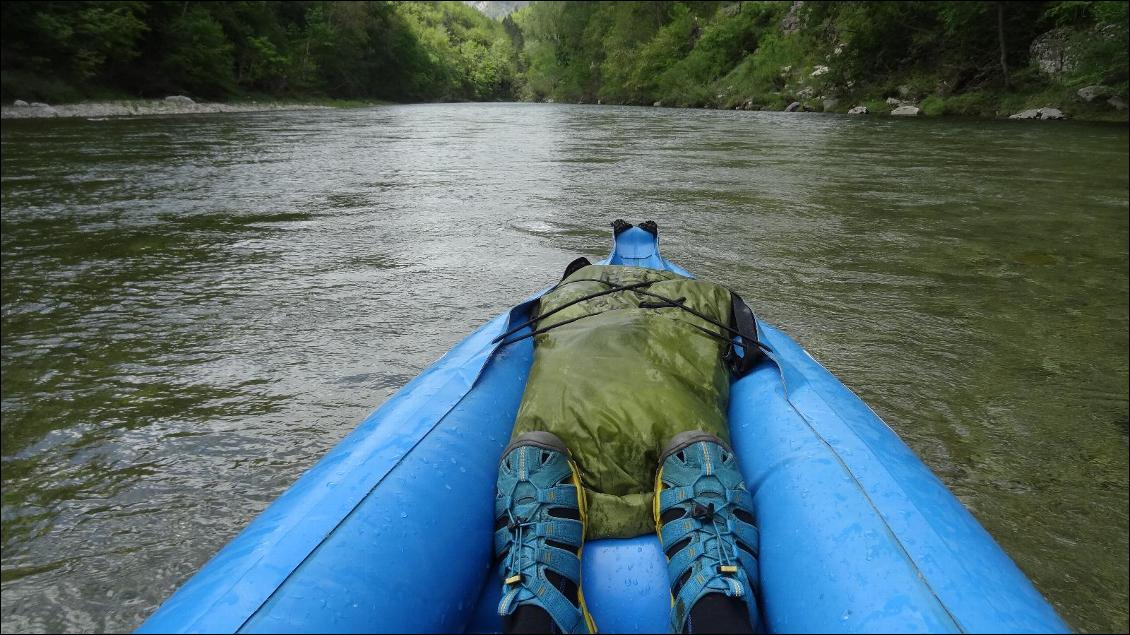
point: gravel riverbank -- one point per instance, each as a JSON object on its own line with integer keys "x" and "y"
{"x": 175, "y": 105}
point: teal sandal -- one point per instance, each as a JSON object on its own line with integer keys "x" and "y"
{"x": 540, "y": 520}
{"x": 703, "y": 515}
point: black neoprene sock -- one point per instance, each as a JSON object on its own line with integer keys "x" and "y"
{"x": 717, "y": 613}
{"x": 714, "y": 613}
{"x": 529, "y": 619}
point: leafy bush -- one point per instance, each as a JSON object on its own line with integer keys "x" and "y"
{"x": 933, "y": 106}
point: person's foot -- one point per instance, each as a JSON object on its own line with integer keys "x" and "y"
{"x": 539, "y": 533}
{"x": 704, "y": 518}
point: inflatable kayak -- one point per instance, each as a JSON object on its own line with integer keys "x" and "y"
{"x": 857, "y": 535}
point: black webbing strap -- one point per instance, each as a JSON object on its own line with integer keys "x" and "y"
{"x": 614, "y": 288}
{"x": 745, "y": 323}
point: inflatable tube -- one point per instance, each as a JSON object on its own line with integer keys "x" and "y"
{"x": 857, "y": 535}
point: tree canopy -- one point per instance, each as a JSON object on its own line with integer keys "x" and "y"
{"x": 404, "y": 51}
{"x": 719, "y": 54}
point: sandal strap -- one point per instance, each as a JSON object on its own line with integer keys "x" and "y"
{"x": 563, "y": 530}
{"x": 502, "y": 540}
{"x": 542, "y": 593}
{"x": 672, "y": 496}
{"x": 685, "y": 558}
{"x": 676, "y": 530}
{"x": 747, "y": 534}
{"x": 566, "y": 530}
{"x": 740, "y": 498}
{"x": 561, "y": 562}
{"x": 564, "y": 495}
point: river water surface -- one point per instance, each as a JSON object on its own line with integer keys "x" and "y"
{"x": 195, "y": 309}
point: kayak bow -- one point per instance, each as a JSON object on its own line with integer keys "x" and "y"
{"x": 857, "y": 534}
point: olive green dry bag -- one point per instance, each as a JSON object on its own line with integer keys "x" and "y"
{"x": 618, "y": 373}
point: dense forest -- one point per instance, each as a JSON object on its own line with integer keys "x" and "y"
{"x": 400, "y": 51}
{"x": 948, "y": 57}
{"x": 958, "y": 57}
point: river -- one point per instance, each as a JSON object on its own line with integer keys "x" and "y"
{"x": 196, "y": 308}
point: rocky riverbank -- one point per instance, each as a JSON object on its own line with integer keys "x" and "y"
{"x": 172, "y": 105}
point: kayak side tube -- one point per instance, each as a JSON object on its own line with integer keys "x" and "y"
{"x": 857, "y": 534}
{"x": 391, "y": 530}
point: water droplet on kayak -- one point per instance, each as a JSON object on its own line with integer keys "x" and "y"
{"x": 404, "y": 514}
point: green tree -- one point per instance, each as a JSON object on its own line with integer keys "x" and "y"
{"x": 199, "y": 56}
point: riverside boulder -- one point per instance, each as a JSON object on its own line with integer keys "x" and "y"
{"x": 45, "y": 110}
{"x": 1053, "y": 53}
{"x": 1091, "y": 93}
{"x": 1039, "y": 113}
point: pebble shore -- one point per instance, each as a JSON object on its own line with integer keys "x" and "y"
{"x": 133, "y": 108}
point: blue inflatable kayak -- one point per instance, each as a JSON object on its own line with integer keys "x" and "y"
{"x": 857, "y": 535}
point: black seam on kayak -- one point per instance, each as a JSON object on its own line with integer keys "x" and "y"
{"x": 352, "y": 511}
{"x": 364, "y": 498}
{"x": 863, "y": 490}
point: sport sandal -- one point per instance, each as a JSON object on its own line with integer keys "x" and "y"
{"x": 703, "y": 515}
{"x": 540, "y": 520}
